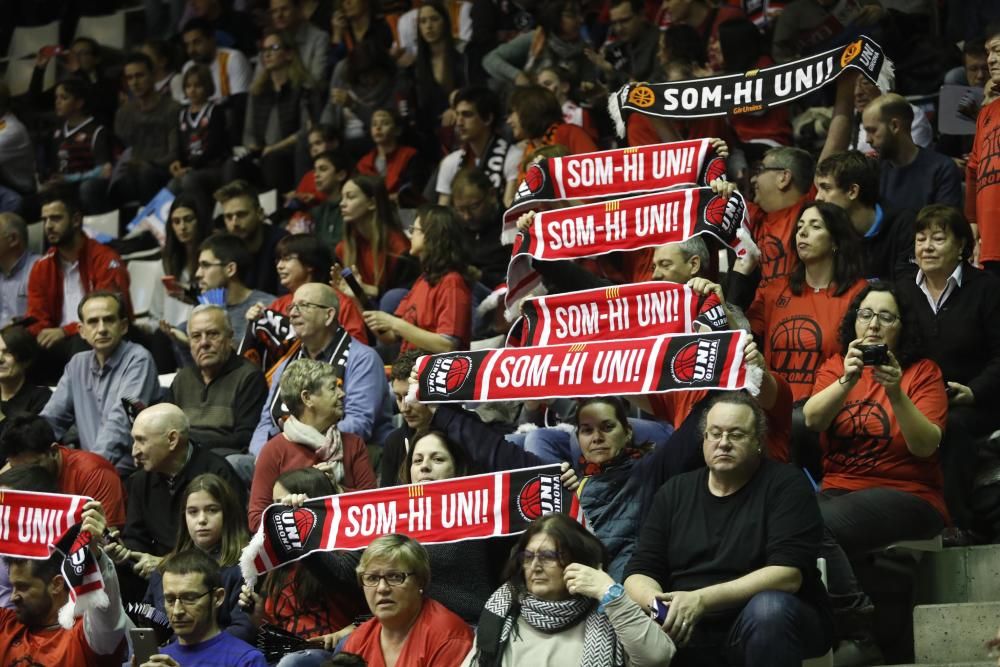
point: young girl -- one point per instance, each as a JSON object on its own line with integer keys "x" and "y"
{"x": 213, "y": 522}
{"x": 396, "y": 163}
{"x": 322, "y": 139}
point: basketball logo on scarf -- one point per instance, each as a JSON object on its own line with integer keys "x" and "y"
{"x": 725, "y": 214}
{"x": 448, "y": 374}
{"x": 540, "y": 496}
{"x": 292, "y": 529}
{"x": 696, "y": 362}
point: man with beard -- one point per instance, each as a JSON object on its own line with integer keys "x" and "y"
{"x": 30, "y": 633}
{"x": 474, "y": 200}
{"x": 476, "y": 111}
{"x": 246, "y": 219}
{"x": 912, "y": 177}
{"x": 222, "y": 393}
{"x": 231, "y": 71}
{"x": 74, "y": 266}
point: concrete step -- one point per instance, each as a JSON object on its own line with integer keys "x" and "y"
{"x": 960, "y": 574}
{"x": 949, "y": 633}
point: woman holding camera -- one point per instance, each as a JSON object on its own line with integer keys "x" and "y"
{"x": 881, "y": 411}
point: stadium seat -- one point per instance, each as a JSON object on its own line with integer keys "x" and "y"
{"x": 20, "y": 71}
{"x": 104, "y": 223}
{"x": 144, "y": 277}
{"x": 36, "y": 237}
{"x": 27, "y": 41}
{"x": 108, "y": 30}
{"x": 269, "y": 201}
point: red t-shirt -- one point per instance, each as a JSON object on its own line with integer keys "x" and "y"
{"x": 87, "y": 474}
{"x": 864, "y": 448}
{"x": 798, "y": 332}
{"x": 438, "y": 638}
{"x": 310, "y": 618}
{"x": 397, "y": 246}
{"x": 772, "y": 232}
{"x": 307, "y": 187}
{"x": 349, "y": 315}
{"x": 982, "y": 178}
{"x": 51, "y": 646}
{"x": 573, "y": 137}
{"x": 675, "y": 406}
{"x": 445, "y": 308}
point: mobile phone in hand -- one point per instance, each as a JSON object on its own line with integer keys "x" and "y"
{"x": 144, "y": 645}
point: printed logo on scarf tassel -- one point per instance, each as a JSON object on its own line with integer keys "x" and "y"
{"x": 292, "y": 527}
{"x": 725, "y": 214}
{"x": 715, "y": 169}
{"x": 78, "y": 553}
{"x": 448, "y": 374}
{"x": 540, "y": 496}
{"x": 851, "y": 51}
{"x": 642, "y": 96}
{"x": 695, "y": 362}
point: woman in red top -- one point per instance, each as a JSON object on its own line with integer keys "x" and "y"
{"x": 536, "y": 117}
{"x": 796, "y": 316}
{"x": 436, "y": 314}
{"x": 881, "y": 412}
{"x": 374, "y": 245}
{"x": 408, "y": 628}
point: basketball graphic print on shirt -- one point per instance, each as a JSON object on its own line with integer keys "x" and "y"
{"x": 774, "y": 257}
{"x": 859, "y": 436}
{"x": 796, "y": 347}
{"x": 988, "y": 172}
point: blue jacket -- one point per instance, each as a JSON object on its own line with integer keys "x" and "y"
{"x": 614, "y": 502}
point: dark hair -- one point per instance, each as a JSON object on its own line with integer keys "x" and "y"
{"x": 549, "y": 14}
{"x": 310, "y": 251}
{"x": 423, "y": 65}
{"x": 485, "y": 101}
{"x": 684, "y": 42}
{"x": 386, "y": 220}
{"x": 89, "y": 41}
{"x": 193, "y": 561}
{"x": 33, "y": 477}
{"x": 45, "y": 569}
{"x": 78, "y": 88}
{"x": 444, "y": 244}
{"x": 139, "y": 58}
{"x": 974, "y": 47}
{"x": 403, "y": 366}
{"x": 908, "y": 350}
{"x": 345, "y": 659}
{"x": 204, "y": 76}
{"x": 234, "y": 518}
{"x": 199, "y": 24}
{"x": 472, "y": 177}
{"x": 229, "y": 248}
{"x": 310, "y": 481}
{"x": 64, "y": 195}
{"x": 741, "y": 44}
{"x": 738, "y": 398}
{"x": 175, "y": 254}
{"x": 537, "y": 109}
{"x": 946, "y": 218}
{"x": 853, "y": 168}
{"x": 846, "y": 249}
{"x": 992, "y": 30}
{"x": 340, "y": 160}
{"x": 162, "y": 49}
{"x": 457, "y": 451}
{"x": 636, "y": 5}
{"x": 237, "y": 188}
{"x": 26, "y": 433}
{"x": 103, "y": 294}
{"x": 20, "y": 343}
{"x": 367, "y": 58}
{"x": 616, "y": 403}
{"x": 575, "y": 543}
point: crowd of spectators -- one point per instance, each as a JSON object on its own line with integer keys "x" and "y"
{"x": 273, "y": 361}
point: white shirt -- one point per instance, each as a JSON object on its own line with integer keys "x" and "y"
{"x": 72, "y": 292}
{"x": 452, "y": 162}
{"x": 231, "y": 73}
{"x": 953, "y": 283}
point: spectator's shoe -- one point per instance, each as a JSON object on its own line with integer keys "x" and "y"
{"x": 858, "y": 652}
{"x": 953, "y": 536}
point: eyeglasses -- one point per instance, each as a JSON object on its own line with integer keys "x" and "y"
{"x": 865, "y": 315}
{"x": 186, "y": 599}
{"x": 760, "y": 168}
{"x": 299, "y": 305}
{"x": 274, "y": 48}
{"x": 544, "y": 557}
{"x": 736, "y": 437}
{"x": 371, "y": 580}
{"x": 469, "y": 209}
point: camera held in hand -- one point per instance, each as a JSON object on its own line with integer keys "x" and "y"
{"x": 874, "y": 355}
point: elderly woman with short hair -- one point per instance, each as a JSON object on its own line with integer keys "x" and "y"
{"x": 408, "y": 628}
{"x": 314, "y": 394}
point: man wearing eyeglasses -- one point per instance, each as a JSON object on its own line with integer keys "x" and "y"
{"x": 223, "y": 392}
{"x": 223, "y": 263}
{"x": 193, "y": 595}
{"x": 731, "y": 550}
{"x": 367, "y": 403}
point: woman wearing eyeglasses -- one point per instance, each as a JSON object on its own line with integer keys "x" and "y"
{"x": 559, "y": 607}
{"x": 436, "y": 314}
{"x": 408, "y": 628}
{"x": 881, "y": 412}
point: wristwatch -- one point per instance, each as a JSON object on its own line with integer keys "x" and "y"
{"x": 614, "y": 592}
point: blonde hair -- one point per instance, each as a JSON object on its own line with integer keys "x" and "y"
{"x": 297, "y": 73}
{"x": 404, "y": 550}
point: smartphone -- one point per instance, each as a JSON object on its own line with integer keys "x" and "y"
{"x": 144, "y": 645}
{"x": 658, "y": 611}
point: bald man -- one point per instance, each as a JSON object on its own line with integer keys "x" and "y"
{"x": 911, "y": 177}
{"x": 166, "y": 460}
